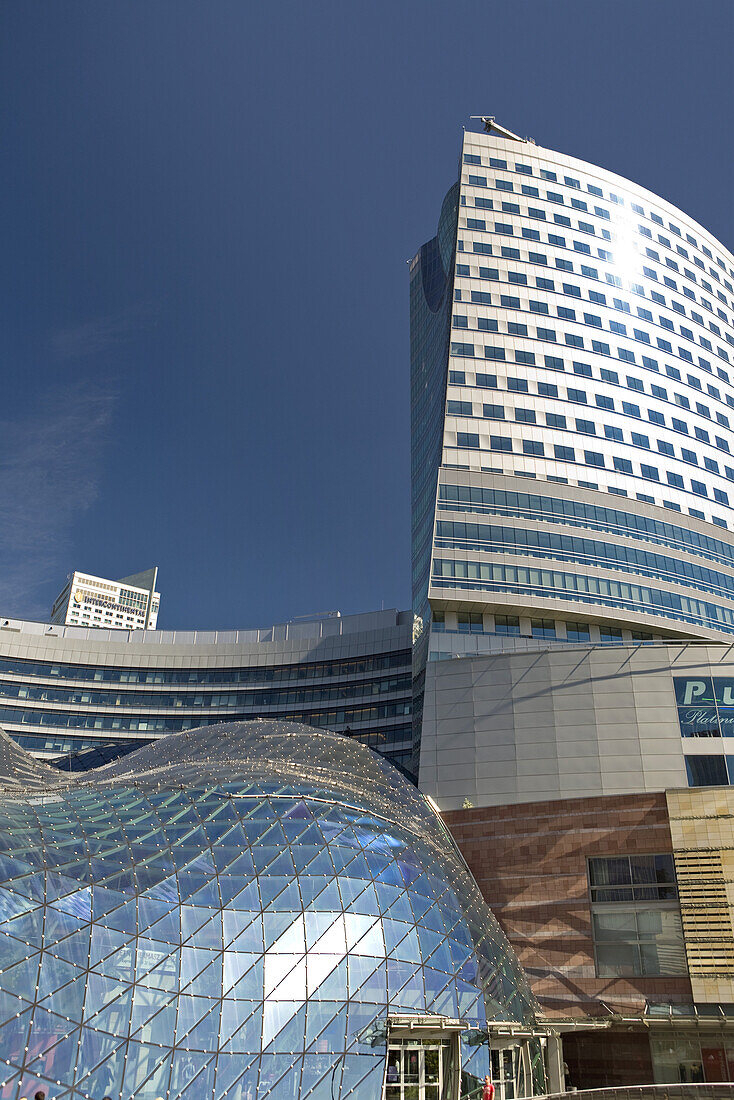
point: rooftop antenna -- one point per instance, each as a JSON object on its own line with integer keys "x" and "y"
{"x": 492, "y": 127}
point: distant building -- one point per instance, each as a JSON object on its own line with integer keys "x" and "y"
{"x": 128, "y": 604}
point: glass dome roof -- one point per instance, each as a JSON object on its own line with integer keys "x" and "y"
{"x": 229, "y": 912}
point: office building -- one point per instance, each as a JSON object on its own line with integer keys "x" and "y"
{"x": 128, "y": 604}
{"x": 573, "y": 572}
{"x": 571, "y": 342}
{"x": 260, "y": 909}
{"x": 85, "y": 694}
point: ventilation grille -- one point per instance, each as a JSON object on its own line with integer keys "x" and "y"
{"x": 705, "y": 913}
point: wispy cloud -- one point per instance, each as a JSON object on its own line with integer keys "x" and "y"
{"x": 49, "y": 474}
{"x": 99, "y": 334}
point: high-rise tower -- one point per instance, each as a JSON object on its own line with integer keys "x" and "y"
{"x": 573, "y": 401}
{"x": 573, "y": 560}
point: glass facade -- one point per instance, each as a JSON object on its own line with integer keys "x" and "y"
{"x": 430, "y": 317}
{"x": 232, "y": 913}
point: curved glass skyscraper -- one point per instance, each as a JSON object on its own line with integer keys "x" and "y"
{"x": 572, "y": 351}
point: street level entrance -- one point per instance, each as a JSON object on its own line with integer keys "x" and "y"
{"x": 417, "y": 1071}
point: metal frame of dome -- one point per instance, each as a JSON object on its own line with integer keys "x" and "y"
{"x": 224, "y": 912}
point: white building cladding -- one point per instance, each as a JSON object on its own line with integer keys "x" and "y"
{"x": 66, "y": 689}
{"x": 572, "y": 349}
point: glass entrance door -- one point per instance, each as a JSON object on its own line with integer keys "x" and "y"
{"x": 415, "y": 1071}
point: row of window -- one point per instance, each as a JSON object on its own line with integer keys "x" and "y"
{"x": 557, "y": 584}
{"x": 635, "y": 921}
{"x": 589, "y": 320}
{"x": 491, "y": 538}
{"x": 576, "y": 513}
{"x": 160, "y": 700}
{"x": 505, "y": 229}
{"x": 505, "y": 186}
{"x": 386, "y": 740}
{"x": 585, "y": 370}
{"x": 61, "y": 720}
{"x": 558, "y": 421}
{"x": 484, "y": 380}
{"x": 509, "y": 626}
{"x": 562, "y": 453}
{"x": 538, "y": 259}
{"x": 593, "y": 189}
{"x": 593, "y": 321}
{"x": 350, "y": 666}
{"x": 572, "y": 290}
{"x": 539, "y": 214}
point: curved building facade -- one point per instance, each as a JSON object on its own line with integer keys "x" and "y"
{"x": 68, "y": 690}
{"x": 585, "y": 399}
{"x": 574, "y": 595}
{"x": 250, "y": 910}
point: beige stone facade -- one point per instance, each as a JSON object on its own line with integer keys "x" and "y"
{"x": 702, "y": 832}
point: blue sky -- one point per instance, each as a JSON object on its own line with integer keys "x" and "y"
{"x": 206, "y": 211}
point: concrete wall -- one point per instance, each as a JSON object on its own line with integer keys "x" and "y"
{"x": 559, "y": 721}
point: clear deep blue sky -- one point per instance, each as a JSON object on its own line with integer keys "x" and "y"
{"x": 205, "y": 215}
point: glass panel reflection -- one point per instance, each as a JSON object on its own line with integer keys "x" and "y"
{"x": 224, "y": 913}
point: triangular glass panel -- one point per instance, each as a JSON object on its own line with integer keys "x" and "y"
{"x": 251, "y": 939}
{"x": 200, "y": 1085}
{"x": 204, "y": 1035}
{"x": 408, "y": 948}
{"x": 247, "y": 898}
{"x": 324, "y": 896}
{"x": 105, "y": 941}
{"x": 250, "y": 985}
{"x": 107, "y": 1005}
{"x": 273, "y": 1067}
{"x": 445, "y": 1004}
{"x": 167, "y": 930}
{"x": 13, "y": 1035}
{"x": 48, "y": 1028}
{"x": 31, "y": 886}
{"x": 334, "y": 986}
{"x": 55, "y": 973}
{"x": 71, "y": 996}
{"x": 148, "y": 1073}
{"x": 190, "y": 1011}
{"x": 186, "y": 1065}
{"x": 95, "y": 1049}
{"x": 280, "y": 894}
{"x": 25, "y": 926}
{"x": 11, "y": 952}
{"x": 361, "y": 1076}
{"x": 316, "y": 1074}
{"x": 236, "y": 965}
{"x": 248, "y": 1036}
{"x": 400, "y": 909}
{"x": 391, "y": 876}
{"x": 209, "y": 934}
{"x": 206, "y": 894}
{"x": 12, "y": 867}
{"x": 332, "y": 1037}
{"x": 21, "y": 978}
{"x": 229, "y": 1070}
{"x": 192, "y": 918}
{"x": 75, "y": 948}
